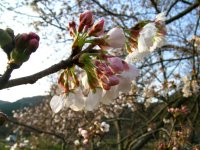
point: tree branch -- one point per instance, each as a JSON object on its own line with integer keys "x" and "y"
{"x": 7, "y": 74}
{"x": 112, "y": 13}
{"x": 183, "y": 13}
{"x": 33, "y": 78}
{"x": 155, "y": 6}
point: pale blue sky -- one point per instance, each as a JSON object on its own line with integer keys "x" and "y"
{"x": 44, "y": 57}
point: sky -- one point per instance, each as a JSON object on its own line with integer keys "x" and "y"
{"x": 38, "y": 61}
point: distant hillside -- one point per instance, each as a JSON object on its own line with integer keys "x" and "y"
{"x": 3, "y": 102}
{"x": 8, "y": 107}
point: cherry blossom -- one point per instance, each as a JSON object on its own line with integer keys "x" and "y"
{"x": 150, "y": 37}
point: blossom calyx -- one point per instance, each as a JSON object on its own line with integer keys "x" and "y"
{"x": 6, "y": 40}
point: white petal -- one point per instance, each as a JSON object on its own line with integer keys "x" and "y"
{"x": 142, "y": 45}
{"x": 149, "y": 30}
{"x": 77, "y": 99}
{"x": 136, "y": 56}
{"x": 85, "y": 81}
{"x": 159, "y": 41}
{"x": 68, "y": 100}
{"x": 161, "y": 17}
{"x": 146, "y": 38}
{"x": 109, "y": 95}
{"x": 93, "y": 99}
{"x": 57, "y": 103}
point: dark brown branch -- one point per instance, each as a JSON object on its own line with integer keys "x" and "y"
{"x": 112, "y": 13}
{"x": 7, "y": 74}
{"x": 172, "y": 5}
{"x": 183, "y": 13}
{"x": 155, "y": 6}
{"x": 186, "y": 2}
{"x": 33, "y": 78}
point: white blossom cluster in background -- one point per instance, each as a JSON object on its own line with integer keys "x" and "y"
{"x": 190, "y": 87}
{"x": 95, "y": 129}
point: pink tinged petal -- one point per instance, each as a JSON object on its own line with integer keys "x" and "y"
{"x": 130, "y": 74}
{"x": 93, "y": 99}
{"x": 57, "y": 103}
{"x": 116, "y": 64}
{"x": 124, "y": 85}
{"x": 116, "y": 38}
{"x": 108, "y": 96}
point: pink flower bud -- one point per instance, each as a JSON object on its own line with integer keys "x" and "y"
{"x": 171, "y": 110}
{"x": 184, "y": 110}
{"x": 21, "y": 41}
{"x": 97, "y": 29}
{"x": 33, "y": 35}
{"x": 79, "y": 130}
{"x": 105, "y": 86}
{"x": 86, "y": 18}
{"x": 116, "y": 64}
{"x": 84, "y": 133}
{"x": 110, "y": 80}
{"x": 116, "y": 38}
{"x": 103, "y": 68}
{"x": 85, "y": 141}
{"x": 113, "y": 80}
{"x": 72, "y": 28}
{"x": 33, "y": 45}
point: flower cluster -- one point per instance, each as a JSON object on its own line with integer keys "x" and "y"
{"x": 190, "y": 86}
{"x": 177, "y": 111}
{"x": 103, "y": 75}
{"x": 18, "y": 48}
{"x": 96, "y": 129}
